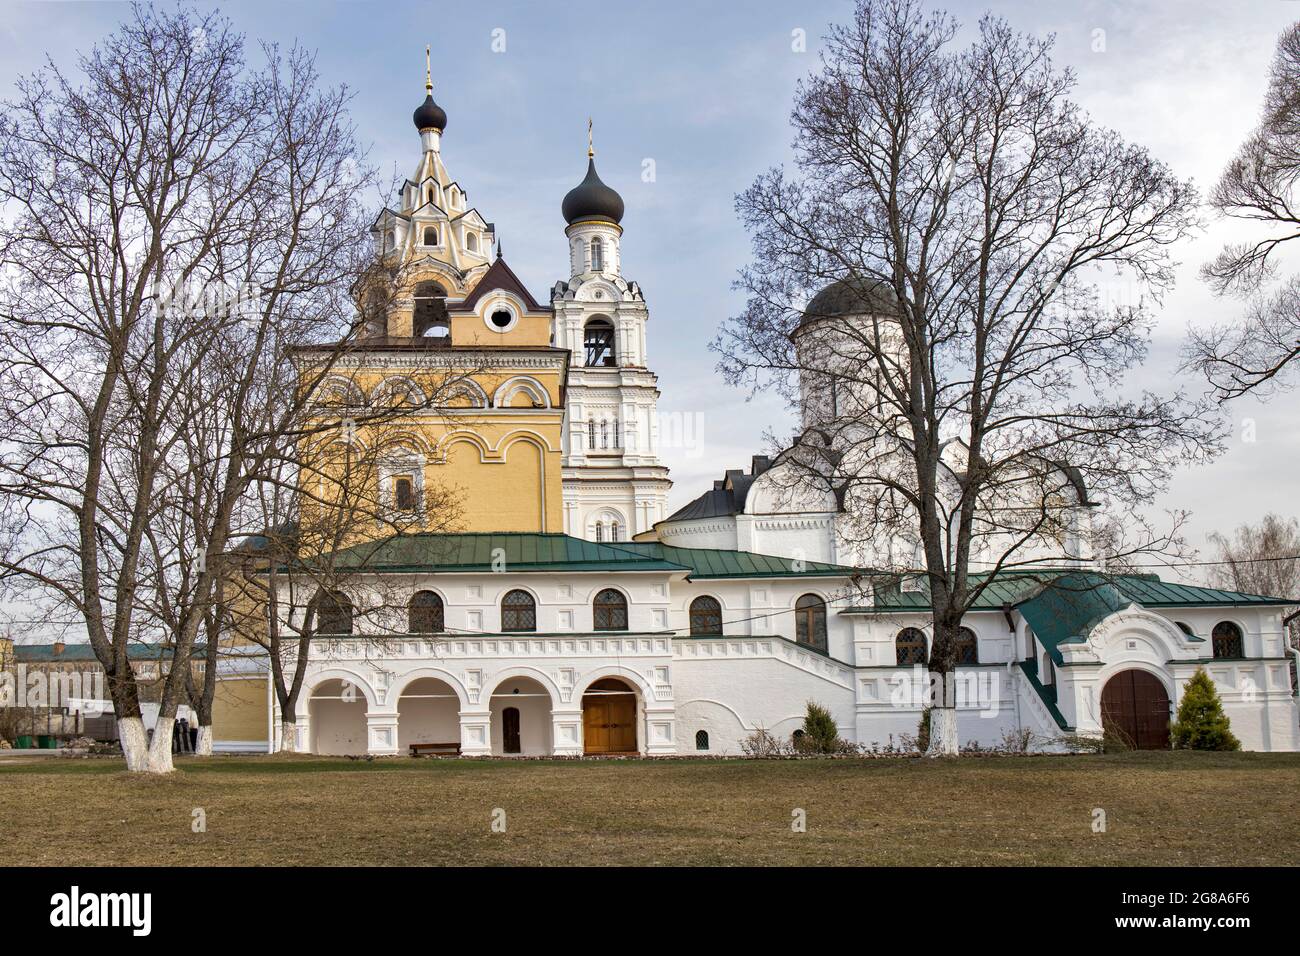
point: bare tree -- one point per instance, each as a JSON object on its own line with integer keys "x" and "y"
{"x": 1261, "y": 185}
{"x": 179, "y": 225}
{"x": 962, "y": 382}
{"x": 1259, "y": 558}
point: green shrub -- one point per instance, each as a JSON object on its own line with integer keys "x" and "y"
{"x": 820, "y": 735}
{"x": 1202, "y": 724}
{"x": 923, "y": 731}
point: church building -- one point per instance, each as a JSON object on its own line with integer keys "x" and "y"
{"x": 566, "y": 612}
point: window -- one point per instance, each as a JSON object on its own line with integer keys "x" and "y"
{"x": 333, "y": 614}
{"x": 967, "y": 647}
{"x": 614, "y": 531}
{"x": 518, "y": 612}
{"x": 618, "y": 438}
{"x": 701, "y": 740}
{"x": 502, "y": 319}
{"x": 471, "y": 242}
{"x": 706, "y": 615}
{"x": 430, "y": 235}
{"x": 910, "y": 647}
{"x": 609, "y": 611}
{"x": 1226, "y": 638}
{"x": 599, "y": 343}
{"x": 600, "y": 531}
{"x": 591, "y": 434}
{"x": 425, "y": 614}
{"x": 404, "y": 493}
{"x": 430, "y": 317}
{"x": 604, "y": 434}
{"x": 810, "y": 621}
{"x": 597, "y": 257}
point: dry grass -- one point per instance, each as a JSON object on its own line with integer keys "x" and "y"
{"x": 1162, "y": 809}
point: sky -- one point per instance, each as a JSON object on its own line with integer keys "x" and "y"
{"x": 699, "y": 93}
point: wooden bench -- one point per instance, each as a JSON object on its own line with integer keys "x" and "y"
{"x": 447, "y": 749}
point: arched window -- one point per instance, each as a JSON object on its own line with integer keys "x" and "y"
{"x": 597, "y": 255}
{"x": 404, "y": 493}
{"x": 810, "y": 621}
{"x": 909, "y": 645}
{"x": 518, "y": 612}
{"x": 430, "y": 317}
{"x": 609, "y": 611}
{"x": 471, "y": 242}
{"x": 600, "y": 531}
{"x": 1226, "y": 639}
{"x": 706, "y": 615}
{"x": 591, "y": 434}
{"x": 604, "y": 434}
{"x": 617, "y": 436}
{"x": 968, "y": 651}
{"x": 598, "y": 340}
{"x": 333, "y": 614}
{"x": 424, "y": 616}
{"x": 430, "y": 235}
{"x": 701, "y": 740}
{"x": 614, "y": 532}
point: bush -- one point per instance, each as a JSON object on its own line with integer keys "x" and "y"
{"x": 923, "y": 731}
{"x": 760, "y": 743}
{"x": 820, "y": 735}
{"x": 1202, "y": 724}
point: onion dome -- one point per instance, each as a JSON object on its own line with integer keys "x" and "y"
{"x": 429, "y": 115}
{"x": 592, "y": 201}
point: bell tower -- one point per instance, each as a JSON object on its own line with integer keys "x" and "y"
{"x": 614, "y": 484}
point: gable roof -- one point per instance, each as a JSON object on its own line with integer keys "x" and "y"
{"x": 499, "y": 276}
{"x": 727, "y": 496}
{"x": 525, "y": 552}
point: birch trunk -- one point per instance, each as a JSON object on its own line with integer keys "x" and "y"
{"x": 135, "y": 742}
{"x": 288, "y": 736}
{"x": 203, "y": 746}
{"x": 159, "y": 759}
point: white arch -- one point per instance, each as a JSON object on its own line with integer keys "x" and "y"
{"x": 520, "y": 383}
{"x": 434, "y": 673}
{"x": 613, "y": 670}
{"x": 478, "y": 396}
{"x": 532, "y": 673}
{"x": 352, "y": 395}
{"x": 347, "y": 676}
{"x": 398, "y": 383}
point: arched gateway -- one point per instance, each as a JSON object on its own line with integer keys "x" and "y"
{"x": 1135, "y": 707}
{"x": 609, "y": 718}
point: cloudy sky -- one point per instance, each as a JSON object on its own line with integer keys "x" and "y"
{"x": 702, "y": 90}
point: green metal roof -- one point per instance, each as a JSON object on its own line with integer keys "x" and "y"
{"x": 533, "y": 552}
{"x": 46, "y": 653}
{"x": 716, "y": 563}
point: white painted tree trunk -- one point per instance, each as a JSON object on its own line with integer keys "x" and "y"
{"x": 203, "y": 747}
{"x": 135, "y": 742}
{"x": 160, "y": 747}
{"x": 943, "y": 732}
{"x": 288, "y": 736}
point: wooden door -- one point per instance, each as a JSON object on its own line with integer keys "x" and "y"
{"x": 510, "y": 731}
{"x": 609, "y": 718}
{"x": 1134, "y": 706}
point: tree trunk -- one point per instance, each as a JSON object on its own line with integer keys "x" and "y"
{"x": 159, "y": 759}
{"x": 135, "y": 742}
{"x": 943, "y": 732}
{"x": 289, "y": 736}
{"x": 203, "y": 746}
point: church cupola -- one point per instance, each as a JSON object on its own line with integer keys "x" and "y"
{"x": 593, "y": 212}
{"x": 430, "y": 118}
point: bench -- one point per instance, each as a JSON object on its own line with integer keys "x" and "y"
{"x": 448, "y": 749}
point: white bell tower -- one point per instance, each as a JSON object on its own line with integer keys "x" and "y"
{"x": 614, "y": 484}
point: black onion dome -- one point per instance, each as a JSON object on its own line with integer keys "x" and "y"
{"x": 591, "y": 199}
{"x": 429, "y": 115}
{"x": 851, "y": 297}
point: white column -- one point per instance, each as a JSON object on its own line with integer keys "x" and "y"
{"x": 381, "y": 732}
{"x": 476, "y": 733}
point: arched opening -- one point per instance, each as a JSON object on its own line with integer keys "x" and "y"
{"x": 609, "y": 717}
{"x": 333, "y": 614}
{"x": 430, "y": 235}
{"x": 336, "y": 711}
{"x": 810, "y": 621}
{"x": 909, "y": 646}
{"x": 430, "y": 318}
{"x": 609, "y": 611}
{"x": 428, "y": 713}
{"x": 706, "y": 616}
{"x": 701, "y": 740}
{"x": 598, "y": 340}
{"x": 1135, "y": 708}
{"x": 521, "y": 718}
{"x": 471, "y": 242}
{"x": 1226, "y": 638}
{"x": 425, "y": 613}
{"x": 967, "y": 650}
{"x": 518, "y": 612}
{"x": 597, "y": 255}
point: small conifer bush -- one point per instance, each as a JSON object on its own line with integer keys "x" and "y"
{"x": 1201, "y": 723}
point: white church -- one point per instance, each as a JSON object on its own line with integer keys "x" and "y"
{"x": 574, "y": 615}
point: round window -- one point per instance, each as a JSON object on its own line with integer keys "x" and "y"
{"x": 502, "y": 319}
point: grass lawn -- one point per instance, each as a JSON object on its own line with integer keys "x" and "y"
{"x": 1161, "y": 809}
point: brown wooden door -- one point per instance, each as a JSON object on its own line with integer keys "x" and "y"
{"x": 510, "y": 731}
{"x": 609, "y": 718}
{"x": 1134, "y": 706}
